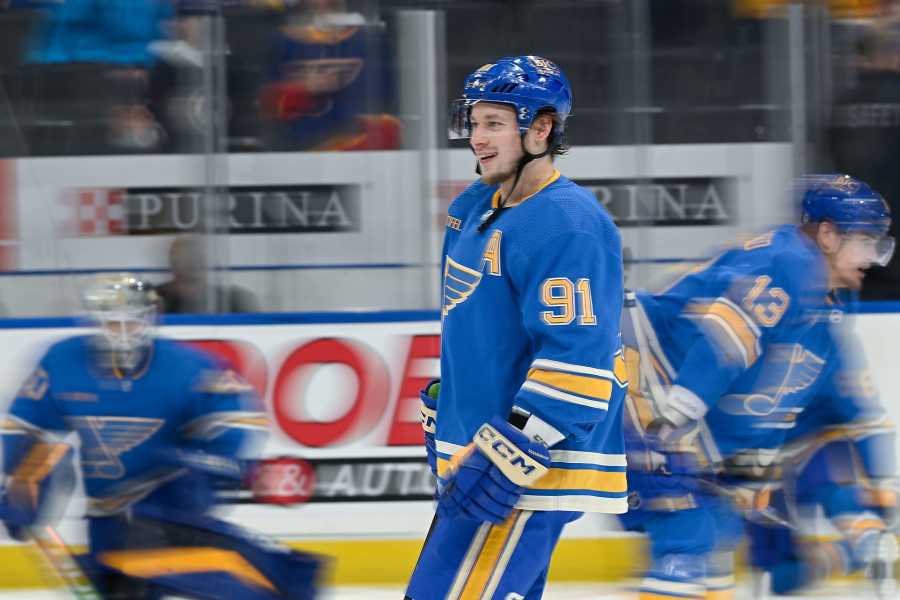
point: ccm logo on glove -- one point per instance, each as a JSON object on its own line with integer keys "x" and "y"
{"x": 518, "y": 467}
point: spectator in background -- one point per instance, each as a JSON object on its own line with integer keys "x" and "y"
{"x": 328, "y": 85}
{"x": 96, "y": 63}
{"x": 864, "y": 138}
{"x": 190, "y": 291}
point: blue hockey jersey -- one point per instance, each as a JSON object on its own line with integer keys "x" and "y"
{"x": 530, "y": 319}
{"x": 846, "y": 412}
{"x": 748, "y": 333}
{"x": 136, "y": 432}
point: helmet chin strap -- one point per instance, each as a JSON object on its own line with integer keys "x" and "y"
{"x": 527, "y": 157}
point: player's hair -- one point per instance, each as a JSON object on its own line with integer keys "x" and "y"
{"x": 557, "y": 139}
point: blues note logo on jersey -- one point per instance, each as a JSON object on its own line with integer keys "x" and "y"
{"x": 788, "y": 371}
{"x": 105, "y": 439}
{"x": 459, "y": 283}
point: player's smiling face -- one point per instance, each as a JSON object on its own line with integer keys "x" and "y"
{"x": 495, "y": 140}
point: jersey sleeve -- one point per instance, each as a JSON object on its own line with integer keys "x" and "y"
{"x": 35, "y": 456}
{"x": 224, "y": 417}
{"x": 33, "y": 416}
{"x": 848, "y": 407}
{"x": 572, "y": 295}
{"x": 748, "y": 306}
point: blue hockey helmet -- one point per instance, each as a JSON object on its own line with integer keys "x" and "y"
{"x": 851, "y": 205}
{"x": 529, "y": 84}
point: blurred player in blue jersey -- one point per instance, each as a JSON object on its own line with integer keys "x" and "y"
{"x": 160, "y": 427}
{"x": 524, "y": 428}
{"x": 836, "y": 501}
{"x": 727, "y": 358}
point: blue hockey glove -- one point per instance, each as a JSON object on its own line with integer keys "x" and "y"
{"x": 16, "y": 532}
{"x": 45, "y": 472}
{"x": 428, "y": 417}
{"x": 491, "y": 476}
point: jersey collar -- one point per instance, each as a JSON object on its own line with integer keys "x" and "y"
{"x": 495, "y": 199}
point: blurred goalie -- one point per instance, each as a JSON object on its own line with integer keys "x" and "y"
{"x": 161, "y": 427}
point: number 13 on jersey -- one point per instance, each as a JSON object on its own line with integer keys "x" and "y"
{"x": 567, "y": 301}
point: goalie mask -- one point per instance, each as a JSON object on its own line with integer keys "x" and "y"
{"x": 123, "y": 307}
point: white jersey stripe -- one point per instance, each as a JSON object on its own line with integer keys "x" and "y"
{"x": 556, "y": 456}
{"x": 576, "y": 503}
{"x": 465, "y": 569}
{"x": 543, "y": 363}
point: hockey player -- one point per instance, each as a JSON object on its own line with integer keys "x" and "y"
{"x": 836, "y": 501}
{"x": 526, "y": 424}
{"x": 160, "y": 426}
{"x": 727, "y": 357}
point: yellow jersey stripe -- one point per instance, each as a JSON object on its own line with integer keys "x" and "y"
{"x": 488, "y": 558}
{"x": 37, "y": 464}
{"x": 561, "y": 479}
{"x": 860, "y": 525}
{"x": 177, "y": 561}
{"x": 735, "y": 325}
{"x": 468, "y": 561}
{"x": 582, "y": 479}
{"x": 511, "y": 544}
{"x": 620, "y": 369}
{"x": 600, "y": 389}
{"x": 255, "y": 422}
{"x": 671, "y": 503}
{"x": 550, "y": 392}
{"x": 738, "y": 324}
{"x": 643, "y": 409}
{"x": 40, "y": 460}
{"x": 11, "y": 427}
{"x": 722, "y": 582}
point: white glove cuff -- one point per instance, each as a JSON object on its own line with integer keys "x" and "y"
{"x": 683, "y": 405}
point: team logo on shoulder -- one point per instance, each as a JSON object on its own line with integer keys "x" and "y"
{"x": 459, "y": 283}
{"x": 224, "y": 382}
{"x": 36, "y": 385}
